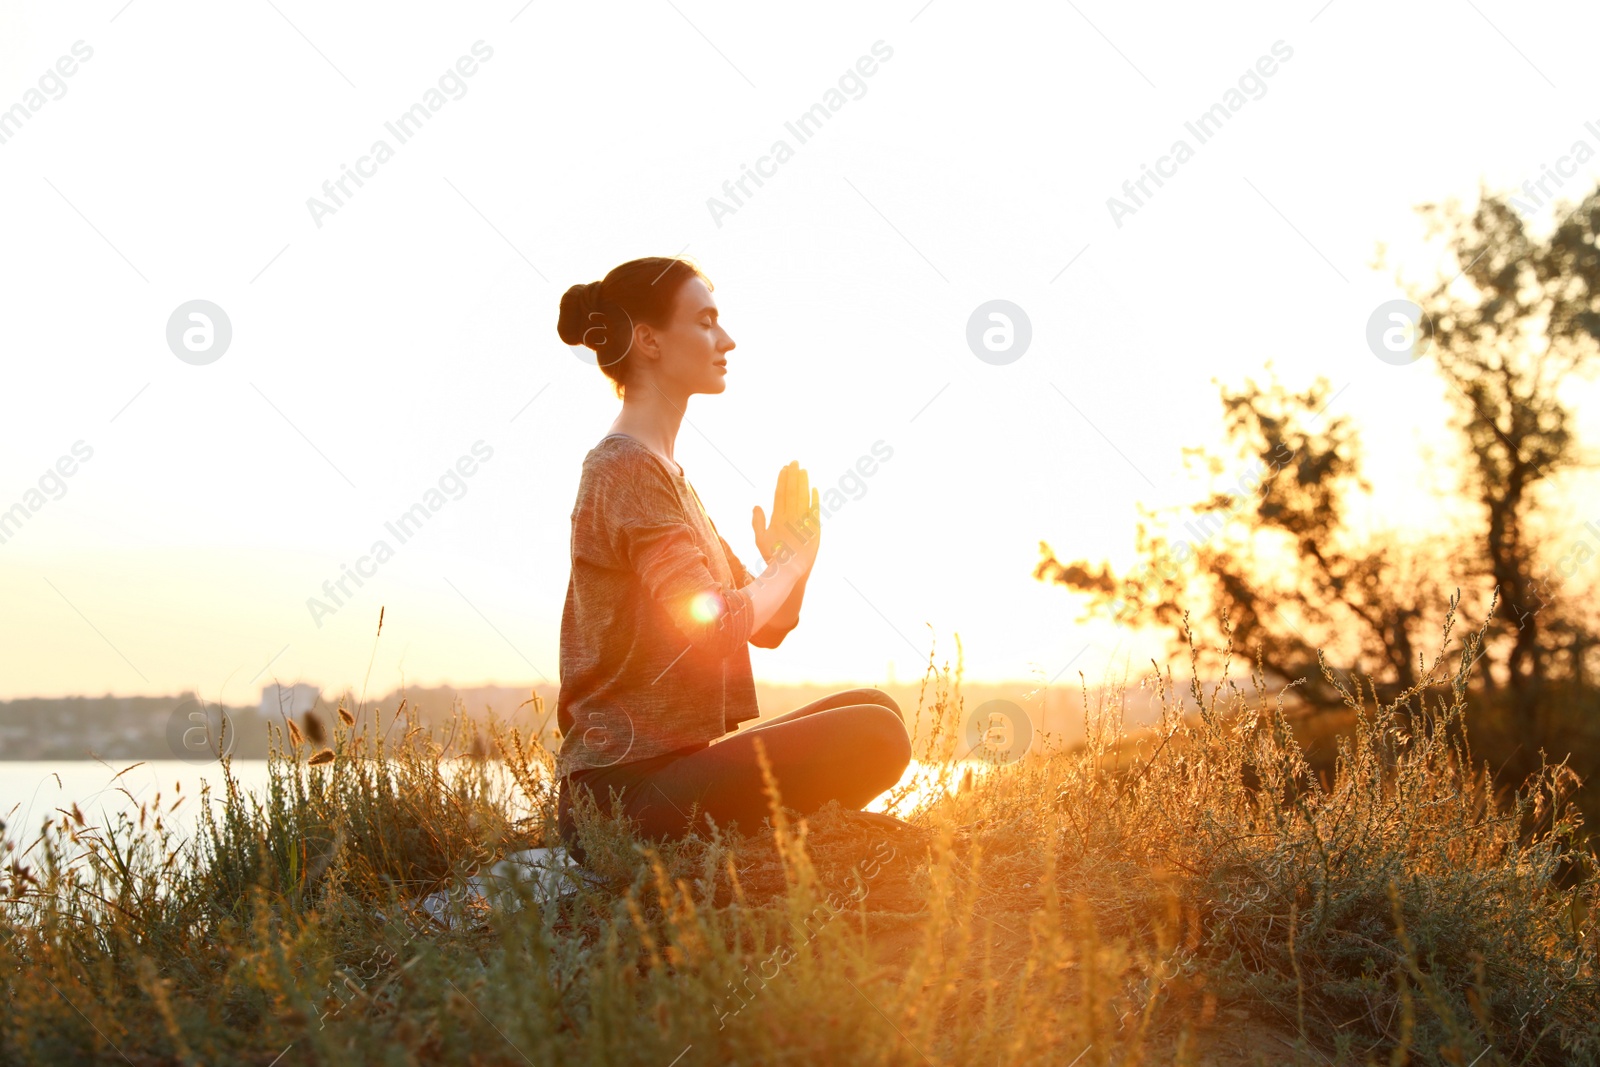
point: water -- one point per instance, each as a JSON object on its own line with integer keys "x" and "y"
{"x": 34, "y": 790}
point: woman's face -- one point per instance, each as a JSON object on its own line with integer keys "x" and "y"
{"x": 694, "y": 347}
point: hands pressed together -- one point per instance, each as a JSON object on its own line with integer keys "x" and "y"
{"x": 796, "y": 524}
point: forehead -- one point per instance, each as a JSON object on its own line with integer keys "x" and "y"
{"x": 693, "y": 296}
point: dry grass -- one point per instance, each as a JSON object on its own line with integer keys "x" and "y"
{"x": 1200, "y": 897}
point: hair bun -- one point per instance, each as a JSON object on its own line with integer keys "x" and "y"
{"x": 581, "y": 313}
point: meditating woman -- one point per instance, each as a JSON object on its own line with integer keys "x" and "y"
{"x": 655, "y": 663}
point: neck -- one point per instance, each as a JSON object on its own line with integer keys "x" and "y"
{"x": 652, "y": 417}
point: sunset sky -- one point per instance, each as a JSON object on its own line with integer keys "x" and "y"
{"x": 379, "y": 339}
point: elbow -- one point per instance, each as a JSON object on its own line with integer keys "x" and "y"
{"x": 719, "y": 645}
{"x": 770, "y": 636}
{"x": 722, "y": 629}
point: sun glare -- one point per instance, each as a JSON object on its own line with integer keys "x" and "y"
{"x": 706, "y": 607}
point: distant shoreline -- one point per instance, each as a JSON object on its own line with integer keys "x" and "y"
{"x": 131, "y": 728}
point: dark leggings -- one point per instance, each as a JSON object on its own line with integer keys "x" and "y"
{"x": 849, "y": 746}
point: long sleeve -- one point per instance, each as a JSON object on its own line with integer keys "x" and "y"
{"x": 709, "y": 615}
{"x": 643, "y": 517}
{"x": 655, "y": 632}
{"x": 741, "y": 576}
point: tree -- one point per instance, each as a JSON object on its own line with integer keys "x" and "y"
{"x": 1518, "y": 321}
{"x": 1523, "y": 324}
{"x": 1291, "y": 574}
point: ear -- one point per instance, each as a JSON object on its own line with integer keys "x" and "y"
{"x": 645, "y": 341}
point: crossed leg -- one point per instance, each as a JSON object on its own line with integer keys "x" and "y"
{"x": 849, "y": 746}
{"x": 842, "y": 699}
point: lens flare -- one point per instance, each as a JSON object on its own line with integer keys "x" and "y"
{"x": 706, "y": 607}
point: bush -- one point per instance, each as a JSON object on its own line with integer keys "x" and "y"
{"x": 1193, "y": 894}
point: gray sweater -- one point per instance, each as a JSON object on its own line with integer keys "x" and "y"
{"x": 656, "y": 630}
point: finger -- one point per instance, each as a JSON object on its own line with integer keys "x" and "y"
{"x": 797, "y": 484}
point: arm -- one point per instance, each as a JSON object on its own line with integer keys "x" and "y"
{"x": 785, "y": 583}
{"x": 788, "y": 616}
{"x": 635, "y": 513}
{"x": 708, "y": 614}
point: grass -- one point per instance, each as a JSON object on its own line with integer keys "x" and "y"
{"x": 1191, "y": 894}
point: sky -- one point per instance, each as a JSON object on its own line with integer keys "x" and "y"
{"x": 384, "y": 340}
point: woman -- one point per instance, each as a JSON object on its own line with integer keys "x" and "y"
{"x": 655, "y": 663}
